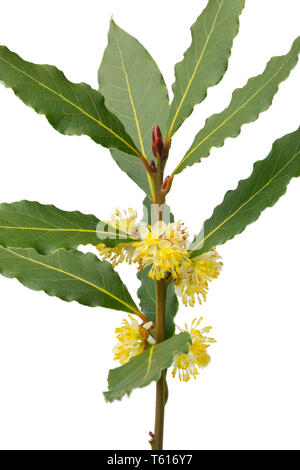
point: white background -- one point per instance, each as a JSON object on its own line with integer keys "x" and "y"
{"x": 54, "y": 356}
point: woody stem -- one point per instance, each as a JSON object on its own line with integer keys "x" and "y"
{"x": 157, "y": 443}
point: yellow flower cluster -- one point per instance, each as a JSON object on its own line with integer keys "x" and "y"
{"x": 164, "y": 247}
{"x": 188, "y": 365}
{"x": 127, "y": 224}
{"x": 133, "y": 339}
{"x": 194, "y": 280}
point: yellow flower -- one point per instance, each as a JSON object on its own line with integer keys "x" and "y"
{"x": 163, "y": 248}
{"x": 177, "y": 234}
{"x": 125, "y": 222}
{"x": 187, "y": 365}
{"x": 133, "y": 339}
{"x": 124, "y": 251}
{"x": 119, "y": 253}
{"x": 194, "y": 280}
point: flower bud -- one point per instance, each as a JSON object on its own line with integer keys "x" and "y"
{"x": 153, "y": 167}
{"x": 158, "y": 145}
{"x": 156, "y": 134}
{"x": 165, "y": 182}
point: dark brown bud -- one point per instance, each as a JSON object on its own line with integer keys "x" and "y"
{"x": 153, "y": 167}
{"x": 165, "y": 182}
{"x": 158, "y": 145}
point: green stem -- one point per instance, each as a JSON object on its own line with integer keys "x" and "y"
{"x": 161, "y": 291}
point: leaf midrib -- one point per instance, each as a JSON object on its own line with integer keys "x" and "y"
{"x": 240, "y": 108}
{"x": 134, "y": 112}
{"x": 72, "y": 104}
{"x": 78, "y": 278}
{"x": 58, "y": 230}
{"x": 149, "y": 361}
{"x": 194, "y": 73}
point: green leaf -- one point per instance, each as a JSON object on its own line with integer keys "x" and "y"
{"x": 147, "y": 296}
{"x": 246, "y": 105}
{"x": 143, "y": 369}
{"x": 262, "y": 189}
{"x": 206, "y": 60}
{"x": 45, "y": 228}
{"x": 71, "y": 108}
{"x": 69, "y": 275}
{"x": 134, "y": 89}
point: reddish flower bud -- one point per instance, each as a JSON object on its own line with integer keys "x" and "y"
{"x": 154, "y": 150}
{"x": 165, "y": 182}
{"x": 158, "y": 145}
{"x": 153, "y": 167}
{"x": 156, "y": 134}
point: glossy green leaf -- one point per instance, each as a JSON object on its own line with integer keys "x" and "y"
{"x": 262, "y": 189}
{"x": 246, "y": 105}
{"x": 45, "y": 228}
{"x": 71, "y": 108}
{"x": 147, "y": 296}
{"x": 143, "y": 369}
{"x": 206, "y": 60}
{"x": 134, "y": 89}
{"x": 69, "y": 275}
